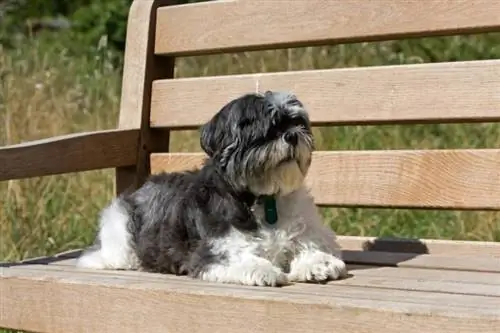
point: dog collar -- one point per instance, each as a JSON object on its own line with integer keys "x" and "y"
{"x": 270, "y": 210}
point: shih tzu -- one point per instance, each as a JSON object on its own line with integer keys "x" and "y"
{"x": 244, "y": 217}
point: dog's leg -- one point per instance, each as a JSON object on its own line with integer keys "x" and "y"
{"x": 317, "y": 256}
{"x": 247, "y": 270}
{"x": 312, "y": 264}
{"x": 233, "y": 260}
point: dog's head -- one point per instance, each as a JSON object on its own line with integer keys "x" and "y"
{"x": 262, "y": 142}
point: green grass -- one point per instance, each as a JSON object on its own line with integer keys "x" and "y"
{"x": 44, "y": 91}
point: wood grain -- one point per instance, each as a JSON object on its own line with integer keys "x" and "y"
{"x": 69, "y": 153}
{"x": 267, "y": 24}
{"x": 403, "y": 278}
{"x": 474, "y": 262}
{"x": 446, "y": 179}
{"x": 421, "y": 246}
{"x": 141, "y": 67}
{"x": 468, "y": 250}
{"x": 175, "y": 304}
{"x": 423, "y": 93}
{"x": 427, "y": 279}
{"x": 464, "y": 252}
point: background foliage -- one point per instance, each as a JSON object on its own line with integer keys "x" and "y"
{"x": 60, "y": 72}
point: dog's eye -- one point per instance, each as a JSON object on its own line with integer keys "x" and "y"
{"x": 274, "y": 133}
{"x": 277, "y": 130}
{"x": 298, "y": 122}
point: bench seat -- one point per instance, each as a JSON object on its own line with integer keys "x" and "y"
{"x": 395, "y": 286}
{"x": 385, "y": 291}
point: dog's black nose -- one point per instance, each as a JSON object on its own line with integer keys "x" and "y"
{"x": 292, "y": 138}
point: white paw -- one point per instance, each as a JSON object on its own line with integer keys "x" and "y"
{"x": 254, "y": 273}
{"x": 316, "y": 266}
{"x": 267, "y": 276}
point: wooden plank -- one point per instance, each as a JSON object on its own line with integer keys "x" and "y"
{"x": 422, "y": 93}
{"x": 421, "y": 246}
{"x": 411, "y": 260}
{"x": 265, "y": 24}
{"x": 424, "y": 278}
{"x": 69, "y": 153}
{"x": 169, "y": 304}
{"x": 473, "y": 262}
{"x": 465, "y": 249}
{"x": 400, "y": 278}
{"x": 141, "y": 67}
{"x": 445, "y": 179}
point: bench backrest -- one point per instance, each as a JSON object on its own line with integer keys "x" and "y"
{"x": 404, "y": 94}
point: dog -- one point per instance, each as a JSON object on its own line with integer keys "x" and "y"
{"x": 244, "y": 217}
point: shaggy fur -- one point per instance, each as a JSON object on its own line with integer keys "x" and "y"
{"x": 209, "y": 223}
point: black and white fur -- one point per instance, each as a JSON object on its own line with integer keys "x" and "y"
{"x": 209, "y": 223}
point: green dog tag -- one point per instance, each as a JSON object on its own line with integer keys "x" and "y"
{"x": 270, "y": 210}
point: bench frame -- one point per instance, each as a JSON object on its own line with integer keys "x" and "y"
{"x": 39, "y": 295}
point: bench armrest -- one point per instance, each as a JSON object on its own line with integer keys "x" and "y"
{"x": 69, "y": 153}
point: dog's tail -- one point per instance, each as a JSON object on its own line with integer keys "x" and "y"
{"x": 114, "y": 245}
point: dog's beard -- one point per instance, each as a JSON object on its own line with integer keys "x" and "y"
{"x": 281, "y": 180}
{"x": 276, "y": 168}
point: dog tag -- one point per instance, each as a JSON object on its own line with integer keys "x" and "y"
{"x": 270, "y": 210}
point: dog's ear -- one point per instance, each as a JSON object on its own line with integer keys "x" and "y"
{"x": 207, "y": 137}
{"x": 222, "y": 135}
{"x": 214, "y": 134}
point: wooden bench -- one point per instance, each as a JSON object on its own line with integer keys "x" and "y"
{"x": 395, "y": 285}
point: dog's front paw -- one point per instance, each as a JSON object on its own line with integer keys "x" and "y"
{"x": 265, "y": 276}
{"x": 316, "y": 266}
{"x": 258, "y": 272}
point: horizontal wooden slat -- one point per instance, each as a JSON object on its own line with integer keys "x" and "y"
{"x": 422, "y": 93}
{"x": 69, "y": 153}
{"x": 473, "y": 263}
{"x": 177, "y": 304}
{"x": 460, "y": 261}
{"x": 422, "y": 246}
{"x": 440, "y": 254}
{"x": 265, "y": 24}
{"x": 446, "y": 179}
{"x": 352, "y": 244}
{"x": 401, "y": 278}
